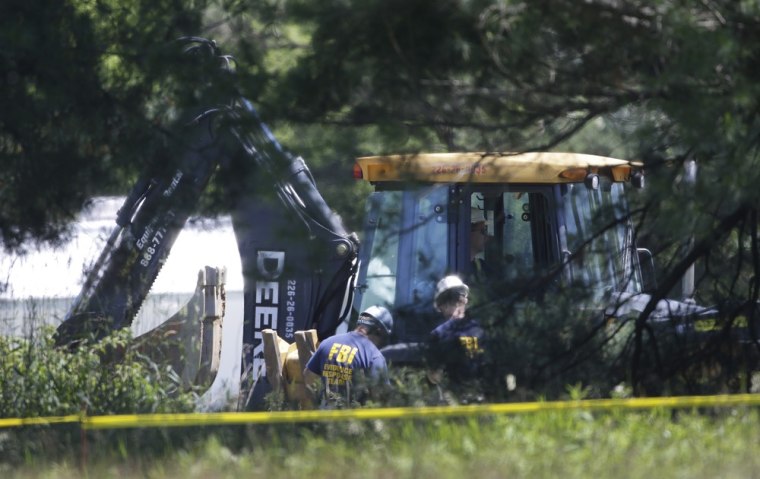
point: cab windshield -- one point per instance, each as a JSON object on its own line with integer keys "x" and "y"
{"x": 494, "y": 234}
{"x": 415, "y": 237}
{"x": 600, "y": 240}
{"x": 407, "y": 239}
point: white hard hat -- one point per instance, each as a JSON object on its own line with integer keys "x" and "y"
{"x": 449, "y": 283}
{"x": 379, "y": 317}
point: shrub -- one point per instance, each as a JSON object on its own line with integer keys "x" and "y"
{"x": 105, "y": 377}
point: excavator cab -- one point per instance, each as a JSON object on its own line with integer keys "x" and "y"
{"x": 497, "y": 220}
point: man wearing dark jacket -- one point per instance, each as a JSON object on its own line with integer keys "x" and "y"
{"x": 350, "y": 365}
{"x": 457, "y": 345}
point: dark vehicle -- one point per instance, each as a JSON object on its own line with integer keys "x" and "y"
{"x": 563, "y": 215}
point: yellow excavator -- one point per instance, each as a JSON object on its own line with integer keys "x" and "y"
{"x": 538, "y": 211}
{"x": 558, "y": 215}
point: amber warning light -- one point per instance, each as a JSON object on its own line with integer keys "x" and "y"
{"x": 358, "y": 172}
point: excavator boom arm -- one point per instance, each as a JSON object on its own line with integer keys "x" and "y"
{"x": 299, "y": 262}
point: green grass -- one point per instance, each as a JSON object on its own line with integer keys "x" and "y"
{"x": 564, "y": 444}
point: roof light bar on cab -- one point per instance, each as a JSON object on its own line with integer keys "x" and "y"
{"x": 532, "y": 167}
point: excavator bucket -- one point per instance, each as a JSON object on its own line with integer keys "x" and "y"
{"x": 285, "y": 363}
{"x": 191, "y": 340}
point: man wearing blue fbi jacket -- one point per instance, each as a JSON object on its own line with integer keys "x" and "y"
{"x": 349, "y": 368}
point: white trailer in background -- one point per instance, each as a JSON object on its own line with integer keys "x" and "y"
{"x": 37, "y": 288}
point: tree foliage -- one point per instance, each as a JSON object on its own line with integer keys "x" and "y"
{"x": 77, "y": 80}
{"x": 104, "y": 378}
{"x": 664, "y": 82}
{"x": 88, "y": 87}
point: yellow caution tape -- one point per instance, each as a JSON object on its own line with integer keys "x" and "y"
{"x": 229, "y": 418}
{"x": 38, "y": 421}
